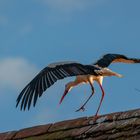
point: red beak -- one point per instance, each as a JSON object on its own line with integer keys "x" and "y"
{"x": 62, "y": 98}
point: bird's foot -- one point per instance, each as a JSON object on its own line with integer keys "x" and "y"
{"x": 82, "y": 108}
{"x": 95, "y": 118}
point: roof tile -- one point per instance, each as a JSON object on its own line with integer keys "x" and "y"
{"x": 69, "y": 124}
{"x": 32, "y": 131}
{"x": 118, "y": 126}
{"x": 7, "y": 135}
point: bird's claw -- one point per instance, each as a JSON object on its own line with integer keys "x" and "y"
{"x": 81, "y": 109}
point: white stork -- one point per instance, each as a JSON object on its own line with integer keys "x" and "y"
{"x": 84, "y": 74}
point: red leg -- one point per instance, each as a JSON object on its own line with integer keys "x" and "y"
{"x": 103, "y": 93}
{"x": 62, "y": 98}
{"x": 83, "y": 106}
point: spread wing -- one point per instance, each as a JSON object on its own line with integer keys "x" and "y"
{"x": 47, "y": 77}
{"x": 107, "y": 59}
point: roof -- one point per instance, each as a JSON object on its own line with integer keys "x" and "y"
{"x": 118, "y": 126}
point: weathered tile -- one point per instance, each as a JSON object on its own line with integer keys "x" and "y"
{"x": 65, "y": 134}
{"x": 117, "y": 126}
{"x": 32, "y": 131}
{"x": 68, "y": 124}
{"x": 101, "y": 128}
{"x": 7, "y": 135}
{"x": 129, "y": 114}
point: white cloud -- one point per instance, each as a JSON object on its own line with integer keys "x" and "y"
{"x": 15, "y": 72}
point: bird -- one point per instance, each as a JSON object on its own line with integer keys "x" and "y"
{"x": 85, "y": 74}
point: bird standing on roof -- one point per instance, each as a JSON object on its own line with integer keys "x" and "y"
{"x": 84, "y": 74}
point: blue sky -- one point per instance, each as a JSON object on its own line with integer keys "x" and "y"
{"x": 34, "y": 33}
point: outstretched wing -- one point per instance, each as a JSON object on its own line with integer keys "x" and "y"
{"x": 47, "y": 77}
{"x": 107, "y": 59}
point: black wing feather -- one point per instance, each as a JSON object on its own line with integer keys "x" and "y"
{"x": 47, "y": 77}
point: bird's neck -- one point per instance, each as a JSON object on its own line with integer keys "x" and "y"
{"x": 71, "y": 84}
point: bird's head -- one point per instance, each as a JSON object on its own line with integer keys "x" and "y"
{"x": 68, "y": 87}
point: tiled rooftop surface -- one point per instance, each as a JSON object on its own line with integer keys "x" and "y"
{"x": 114, "y": 126}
